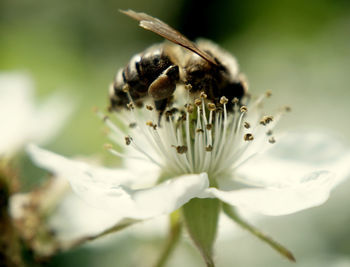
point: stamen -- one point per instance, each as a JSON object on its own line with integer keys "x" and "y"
{"x": 268, "y": 93}
{"x": 180, "y": 149}
{"x": 189, "y": 108}
{"x": 272, "y": 140}
{"x": 130, "y": 105}
{"x": 203, "y": 95}
{"x": 198, "y": 102}
{"x": 128, "y": 140}
{"x": 209, "y": 148}
{"x": 243, "y": 109}
{"x": 248, "y": 137}
{"x": 188, "y": 86}
{"x": 266, "y": 120}
{"x": 211, "y": 107}
{"x": 132, "y": 125}
{"x": 149, "y": 107}
{"x": 126, "y": 88}
{"x": 214, "y": 141}
{"x": 269, "y": 132}
{"x": 287, "y": 108}
{"x": 188, "y": 139}
{"x": 110, "y": 124}
{"x": 150, "y": 124}
{"x": 223, "y": 100}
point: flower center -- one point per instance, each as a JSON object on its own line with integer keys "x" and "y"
{"x": 195, "y": 135}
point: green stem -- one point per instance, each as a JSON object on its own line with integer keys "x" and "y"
{"x": 120, "y": 226}
{"x": 174, "y": 237}
{"x": 230, "y": 212}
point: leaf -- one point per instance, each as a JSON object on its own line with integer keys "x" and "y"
{"x": 201, "y": 220}
{"x": 231, "y": 213}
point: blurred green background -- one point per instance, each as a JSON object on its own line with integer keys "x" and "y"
{"x": 298, "y": 49}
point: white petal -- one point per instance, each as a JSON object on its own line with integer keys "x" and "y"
{"x": 165, "y": 197}
{"x": 69, "y": 216}
{"x": 80, "y": 174}
{"x": 74, "y": 218}
{"x": 313, "y": 190}
{"x": 294, "y": 155}
{"x": 112, "y": 189}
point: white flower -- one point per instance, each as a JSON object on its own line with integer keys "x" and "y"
{"x": 208, "y": 151}
{"x": 21, "y": 119}
{"x": 55, "y": 207}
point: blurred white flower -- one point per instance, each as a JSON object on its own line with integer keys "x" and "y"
{"x": 23, "y": 120}
{"x": 55, "y": 208}
{"x": 208, "y": 151}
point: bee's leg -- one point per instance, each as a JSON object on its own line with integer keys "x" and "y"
{"x": 162, "y": 88}
{"x": 165, "y": 85}
{"x": 160, "y": 107}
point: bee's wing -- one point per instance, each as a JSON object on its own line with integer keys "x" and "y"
{"x": 159, "y": 27}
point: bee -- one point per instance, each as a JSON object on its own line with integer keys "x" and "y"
{"x": 203, "y": 67}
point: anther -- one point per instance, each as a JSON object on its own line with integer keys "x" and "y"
{"x": 272, "y": 140}
{"x": 211, "y": 106}
{"x": 188, "y": 86}
{"x": 199, "y": 130}
{"x": 268, "y": 93}
{"x": 189, "y": 108}
{"x": 198, "y": 102}
{"x": 209, "y": 148}
{"x": 223, "y": 100}
{"x": 248, "y": 137}
{"x": 182, "y": 117}
{"x": 246, "y": 125}
{"x": 132, "y": 125}
{"x": 219, "y": 109}
{"x": 126, "y": 88}
{"x": 180, "y": 149}
{"x": 203, "y": 95}
{"x": 149, "y": 107}
{"x": 287, "y": 108}
{"x": 209, "y": 127}
{"x": 269, "y": 133}
{"x": 130, "y": 105}
{"x": 266, "y": 120}
{"x": 150, "y": 124}
{"x": 127, "y": 140}
{"x": 243, "y": 109}
{"x": 235, "y": 100}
